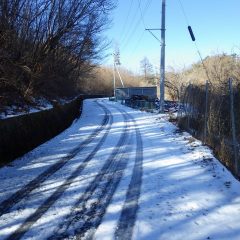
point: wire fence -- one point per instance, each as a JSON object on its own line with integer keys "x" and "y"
{"x": 212, "y": 114}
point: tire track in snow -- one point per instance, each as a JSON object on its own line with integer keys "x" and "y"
{"x": 60, "y": 190}
{"x": 7, "y": 204}
{"x": 127, "y": 219}
{"x": 89, "y": 210}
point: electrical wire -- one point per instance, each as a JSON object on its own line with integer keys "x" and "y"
{"x": 142, "y": 18}
{"x": 138, "y": 42}
{"x": 195, "y": 44}
{"x": 184, "y": 12}
{"x": 204, "y": 66}
{"x": 131, "y": 31}
{"x": 126, "y": 20}
{"x": 125, "y": 36}
{"x": 137, "y": 23}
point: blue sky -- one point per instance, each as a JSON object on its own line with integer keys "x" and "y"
{"x": 215, "y": 24}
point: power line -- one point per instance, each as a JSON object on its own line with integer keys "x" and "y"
{"x": 193, "y": 38}
{"x": 123, "y": 38}
{"x": 138, "y": 42}
{"x": 142, "y": 18}
{"x": 137, "y": 23}
{"x": 184, "y": 12}
{"x": 131, "y": 30}
{"x": 126, "y": 20}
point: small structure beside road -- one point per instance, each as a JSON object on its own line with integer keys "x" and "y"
{"x": 146, "y": 93}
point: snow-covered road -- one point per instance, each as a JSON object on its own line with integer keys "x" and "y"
{"x": 118, "y": 173}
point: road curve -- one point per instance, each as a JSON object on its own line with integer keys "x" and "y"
{"x": 86, "y": 212}
{"x": 7, "y": 204}
{"x": 61, "y": 189}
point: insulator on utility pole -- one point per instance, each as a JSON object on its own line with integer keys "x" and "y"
{"x": 191, "y": 33}
{"x": 116, "y": 55}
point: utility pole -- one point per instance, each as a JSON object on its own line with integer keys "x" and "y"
{"x": 162, "y": 57}
{"x": 116, "y": 62}
{"x": 162, "y": 60}
{"x": 114, "y": 79}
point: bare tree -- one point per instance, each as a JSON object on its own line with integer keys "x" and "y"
{"x": 147, "y": 69}
{"x": 46, "y": 46}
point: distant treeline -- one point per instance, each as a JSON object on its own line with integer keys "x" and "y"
{"x": 217, "y": 69}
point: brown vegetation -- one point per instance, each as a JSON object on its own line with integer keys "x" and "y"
{"x": 101, "y": 80}
{"x": 47, "y": 46}
{"x": 216, "y": 69}
{"x": 209, "y": 118}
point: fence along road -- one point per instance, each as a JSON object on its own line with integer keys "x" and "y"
{"x": 212, "y": 114}
{"x": 87, "y": 212}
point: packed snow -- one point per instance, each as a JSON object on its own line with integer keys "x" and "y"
{"x": 186, "y": 193}
{"x": 38, "y": 104}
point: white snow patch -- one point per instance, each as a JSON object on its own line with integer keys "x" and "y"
{"x": 185, "y": 194}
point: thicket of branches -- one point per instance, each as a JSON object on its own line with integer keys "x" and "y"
{"x": 217, "y": 70}
{"x": 46, "y": 46}
{"x": 206, "y": 113}
{"x": 206, "y": 109}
